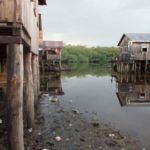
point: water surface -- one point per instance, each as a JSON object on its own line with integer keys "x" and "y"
{"x": 122, "y": 101}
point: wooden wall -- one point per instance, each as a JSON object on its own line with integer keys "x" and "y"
{"x": 124, "y": 44}
{"x": 135, "y": 49}
{"x": 139, "y": 55}
{"x": 23, "y": 12}
{"x": 53, "y": 57}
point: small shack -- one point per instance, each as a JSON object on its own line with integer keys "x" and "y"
{"x": 134, "y": 52}
{"x": 50, "y": 55}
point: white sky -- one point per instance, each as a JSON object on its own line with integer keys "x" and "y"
{"x": 94, "y": 22}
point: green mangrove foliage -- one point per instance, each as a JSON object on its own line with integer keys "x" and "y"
{"x": 83, "y": 54}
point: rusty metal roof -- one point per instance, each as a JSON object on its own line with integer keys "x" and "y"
{"x": 52, "y": 44}
{"x": 136, "y": 37}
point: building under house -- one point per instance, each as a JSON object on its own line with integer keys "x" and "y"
{"x": 19, "y": 43}
{"x": 134, "y": 52}
{"x": 50, "y": 55}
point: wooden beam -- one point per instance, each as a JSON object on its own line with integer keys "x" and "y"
{"x": 10, "y": 40}
{"x": 14, "y": 33}
{"x": 28, "y": 92}
{"x": 15, "y": 96}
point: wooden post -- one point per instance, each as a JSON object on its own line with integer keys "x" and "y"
{"x": 35, "y": 77}
{"x": 38, "y": 75}
{"x": 28, "y": 92}
{"x": 15, "y": 96}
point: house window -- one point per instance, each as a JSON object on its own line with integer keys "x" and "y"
{"x": 129, "y": 45}
{"x": 144, "y": 48}
{"x": 142, "y": 95}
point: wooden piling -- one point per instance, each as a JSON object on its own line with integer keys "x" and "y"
{"x": 15, "y": 96}
{"x": 28, "y": 92}
{"x": 35, "y": 77}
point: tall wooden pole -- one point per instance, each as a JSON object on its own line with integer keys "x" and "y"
{"x": 15, "y": 96}
{"x": 35, "y": 77}
{"x": 29, "y": 89}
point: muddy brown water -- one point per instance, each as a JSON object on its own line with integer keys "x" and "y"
{"x": 121, "y": 101}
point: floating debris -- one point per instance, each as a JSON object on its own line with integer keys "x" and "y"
{"x": 111, "y": 135}
{"x": 95, "y": 124}
{"x": 75, "y": 111}
{"x": 70, "y": 125}
{"x": 30, "y": 130}
{"x": 50, "y": 144}
{"x": 58, "y": 138}
{"x": 1, "y": 121}
{"x": 54, "y": 100}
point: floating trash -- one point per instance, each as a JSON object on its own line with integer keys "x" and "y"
{"x": 30, "y": 130}
{"x": 58, "y": 138}
{"x": 75, "y": 111}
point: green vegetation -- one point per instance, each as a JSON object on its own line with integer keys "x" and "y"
{"x": 83, "y": 54}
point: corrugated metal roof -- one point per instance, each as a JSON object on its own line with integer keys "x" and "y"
{"x": 139, "y": 36}
{"x": 136, "y": 37}
{"x": 52, "y": 44}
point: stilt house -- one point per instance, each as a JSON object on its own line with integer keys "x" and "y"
{"x": 50, "y": 54}
{"x": 134, "y": 51}
{"x": 19, "y": 43}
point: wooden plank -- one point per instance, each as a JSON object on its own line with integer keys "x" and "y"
{"x": 29, "y": 95}
{"x": 10, "y": 10}
{"x": 18, "y": 11}
{"x": 15, "y": 96}
{"x": 1, "y": 10}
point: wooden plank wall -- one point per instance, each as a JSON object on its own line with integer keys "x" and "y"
{"x": 10, "y": 11}
{"x": 34, "y": 27}
{"x": 136, "y": 47}
{"x": 23, "y": 12}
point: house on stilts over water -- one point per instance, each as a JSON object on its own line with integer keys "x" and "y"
{"x": 19, "y": 69}
{"x": 134, "y": 53}
{"x": 50, "y": 55}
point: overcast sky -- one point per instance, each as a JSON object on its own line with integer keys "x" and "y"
{"x": 94, "y": 22}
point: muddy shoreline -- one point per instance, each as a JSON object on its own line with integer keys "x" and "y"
{"x": 76, "y": 132}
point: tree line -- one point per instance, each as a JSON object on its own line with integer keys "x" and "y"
{"x": 83, "y": 54}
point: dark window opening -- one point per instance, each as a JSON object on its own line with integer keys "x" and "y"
{"x": 142, "y": 95}
{"x": 144, "y": 49}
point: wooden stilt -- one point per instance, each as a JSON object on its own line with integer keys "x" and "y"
{"x": 29, "y": 96}
{"x": 35, "y": 77}
{"x": 38, "y": 76}
{"x": 15, "y": 96}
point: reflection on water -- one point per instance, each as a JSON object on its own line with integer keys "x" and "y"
{"x": 94, "y": 89}
{"x": 51, "y": 84}
{"x": 133, "y": 90}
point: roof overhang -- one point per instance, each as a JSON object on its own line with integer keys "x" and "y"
{"x": 121, "y": 39}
